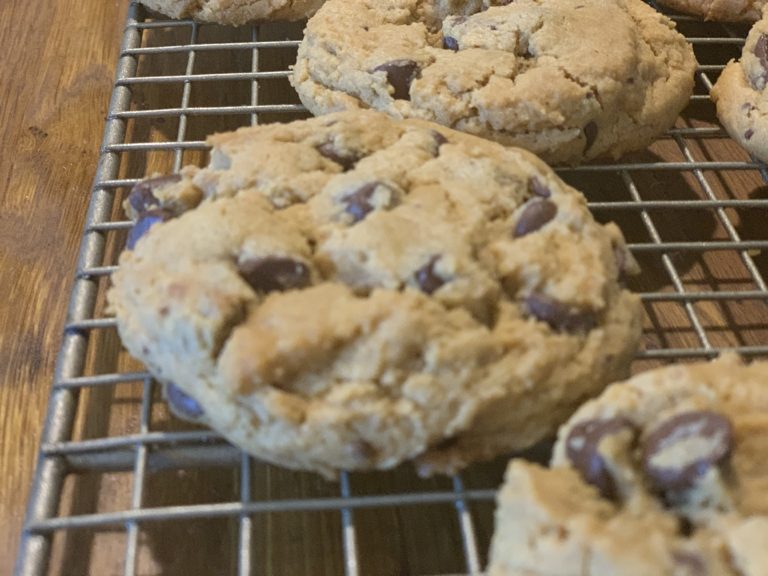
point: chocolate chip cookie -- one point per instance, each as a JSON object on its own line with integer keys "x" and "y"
{"x": 551, "y": 76}
{"x": 235, "y": 12}
{"x": 664, "y": 474}
{"x": 718, "y": 10}
{"x": 740, "y": 94}
{"x": 351, "y": 291}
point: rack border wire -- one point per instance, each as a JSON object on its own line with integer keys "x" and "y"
{"x": 60, "y": 454}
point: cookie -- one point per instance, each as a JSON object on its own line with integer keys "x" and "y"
{"x": 740, "y": 94}
{"x": 665, "y": 474}
{"x": 235, "y": 12}
{"x": 546, "y": 75}
{"x": 718, "y": 10}
{"x": 350, "y": 292}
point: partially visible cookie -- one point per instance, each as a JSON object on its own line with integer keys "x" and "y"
{"x": 718, "y": 10}
{"x": 350, "y": 292}
{"x": 235, "y": 12}
{"x": 547, "y": 75}
{"x": 740, "y": 93}
{"x": 665, "y": 474}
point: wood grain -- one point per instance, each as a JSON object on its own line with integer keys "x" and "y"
{"x": 55, "y": 81}
{"x": 56, "y": 90}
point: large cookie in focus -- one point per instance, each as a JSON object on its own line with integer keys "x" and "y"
{"x": 350, "y": 292}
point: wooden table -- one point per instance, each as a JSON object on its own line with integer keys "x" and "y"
{"x": 56, "y": 90}
{"x": 55, "y": 81}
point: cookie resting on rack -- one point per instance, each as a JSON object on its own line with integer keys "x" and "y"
{"x": 570, "y": 80}
{"x": 349, "y": 292}
{"x": 665, "y": 474}
{"x": 235, "y": 12}
{"x": 741, "y": 93}
{"x": 718, "y": 10}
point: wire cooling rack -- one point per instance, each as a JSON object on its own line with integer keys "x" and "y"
{"x": 123, "y": 488}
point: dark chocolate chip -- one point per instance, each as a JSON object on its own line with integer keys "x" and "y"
{"x": 427, "y": 278}
{"x": 439, "y": 138}
{"x": 689, "y": 564}
{"x": 146, "y": 220}
{"x": 537, "y": 188}
{"x": 400, "y": 75}
{"x": 142, "y": 196}
{"x": 761, "y": 52}
{"x": 450, "y": 43}
{"x": 749, "y": 133}
{"x": 359, "y": 203}
{"x": 534, "y": 216}
{"x": 559, "y": 316}
{"x": 274, "y": 273}
{"x": 346, "y": 160}
{"x": 582, "y": 450}
{"x": 181, "y": 403}
{"x": 684, "y": 447}
{"x": 590, "y": 134}
{"x": 685, "y": 527}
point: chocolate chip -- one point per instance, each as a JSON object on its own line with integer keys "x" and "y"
{"x": 537, "y": 188}
{"x": 689, "y": 564}
{"x": 439, "y": 138}
{"x": 590, "y": 134}
{"x": 400, "y": 75}
{"x": 427, "y": 277}
{"x": 360, "y": 202}
{"x": 559, "y": 316}
{"x": 582, "y": 449}
{"x": 535, "y": 215}
{"x": 183, "y": 404}
{"x": 685, "y": 527}
{"x": 761, "y": 52}
{"x": 274, "y": 273}
{"x": 146, "y": 220}
{"x": 142, "y": 196}
{"x": 749, "y": 133}
{"x": 684, "y": 447}
{"x": 450, "y": 43}
{"x": 346, "y": 160}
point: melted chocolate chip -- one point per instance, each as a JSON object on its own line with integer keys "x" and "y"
{"x": 590, "y": 134}
{"x": 582, "y": 450}
{"x": 346, "y": 160}
{"x": 181, "y": 403}
{"x": 427, "y": 278}
{"x": 400, "y": 75}
{"x": 559, "y": 316}
{"x": 537, "y": 188}
{"x": 274, "y": 273}
{"x": 749, "y": 133}
{"x": 450, "y": 43}
{"x": 534, "y": 216}
{"x": 359, "y": 203}
{"x": 142, "y": 196}
{"x": 684, "y": 447}
{"x": 146, "y": 220}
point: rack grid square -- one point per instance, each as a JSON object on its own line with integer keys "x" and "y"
{"x": 123, "y": 488}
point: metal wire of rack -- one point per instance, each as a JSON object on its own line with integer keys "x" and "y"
{"x": 692, "y": 208}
